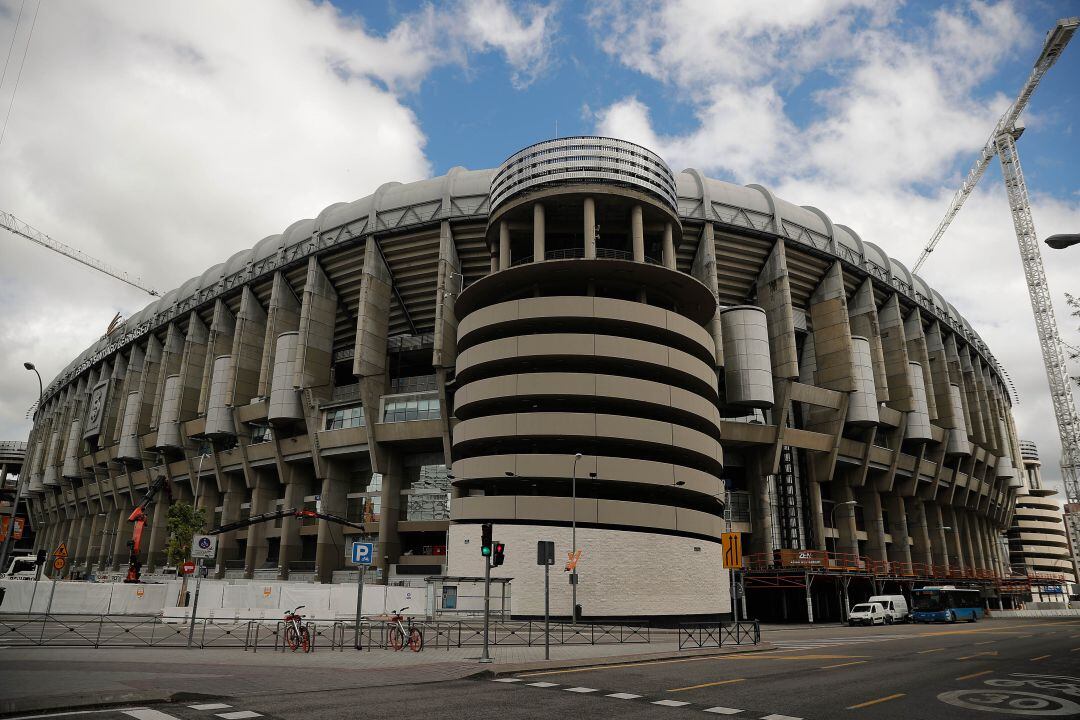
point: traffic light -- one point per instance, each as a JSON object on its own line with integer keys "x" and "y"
{"x": 485, "y": 540}
{"x": 497, "y": 556}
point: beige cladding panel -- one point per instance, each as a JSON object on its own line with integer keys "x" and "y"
{"x": 283, "y": 315}
{"x": 247, "y": 350}
{"x": 168, "y": 435}
{"x": 862, "y": 405}
{"x": 315, "y": 342}
{"x": 958, "y": 437}
{"x": 284, "y": 397}
{"x": 863, "y": 318}
{"x": 129, "y": 438}
{"x": 747, "y": 363}
{"x": 917, "y": 351}
{"x": 219, "y": 415}
{"x": 894, "y": 347}
{"x": 918, "y": 419}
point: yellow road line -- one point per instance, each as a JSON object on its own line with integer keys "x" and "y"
{"x": 868, "y": 703}
{"x": 978, "y": 654}
{"x": 708, "y": 684}
{"x": 1025, "y": 636}
{"x": 829, "y": 667}
{"x": 974, "y": 675}
{"x": 923, "y": 652}
{"x": 1041, "y": 657}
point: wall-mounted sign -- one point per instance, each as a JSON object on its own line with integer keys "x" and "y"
{"x": 95, "y": 410}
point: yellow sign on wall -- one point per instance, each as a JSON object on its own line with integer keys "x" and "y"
{"x": 732, "y": 543}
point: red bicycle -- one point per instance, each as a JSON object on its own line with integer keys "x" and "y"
{"x": 400, "y": 634}
{"x": 296, "y": 633}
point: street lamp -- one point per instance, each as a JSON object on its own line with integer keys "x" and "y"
{"x": 20, "y": 483}
{"x": 1060, "y": 242}
{"x": 837, "y": 506}
{"x": 573, "y": 535}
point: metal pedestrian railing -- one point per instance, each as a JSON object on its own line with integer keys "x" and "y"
{"x": 719, "y": 634}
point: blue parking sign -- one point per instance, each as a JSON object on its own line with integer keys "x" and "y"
{"x": 363, "y": 553}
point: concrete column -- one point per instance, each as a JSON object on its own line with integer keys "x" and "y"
{"x": 504, "y": 245}
{"x": 899, "y": 550}
{"x": 863, "y": 318}
{"x": 973, "y": 561}
{"x": 954, "y": 539}
{"x": 282, "y": 316}
{"x": 637, "y": 233}
{"x": 590, "y": 228}
{"x": 774, "y": 297}
{"x": 894, "y": 349}
{"x": 388, "y": 548}
{"x": 249, "y": 342}
{"x": 297, "y": 486}
{"x": 124, "y": 529}
{"x": 939, "y": 549}
{"x": 669, "y": 247}
{"x": 234, "y": 495}
{"x": 876, "y": 547}
{"x": 329, "y": 555}
{"x": 917, "y": 352}
{"x": 94, "y": 545}
{"x": 761, "y": 538}
{"x": 82, "y": 541}
{"x": 539, "y": 233}
{"x": 817, "y": 516}
{"x": 920, "y": 533}
{"x": 832, "y": 333}
{"x": 158, "y": 532}
{"x": 263, "y": 498}
{"x": 847, "y": 539}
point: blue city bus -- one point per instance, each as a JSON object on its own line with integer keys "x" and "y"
{"x": 945, "y": 604}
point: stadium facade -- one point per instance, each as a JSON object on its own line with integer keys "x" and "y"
{"x": 438, "y": 354}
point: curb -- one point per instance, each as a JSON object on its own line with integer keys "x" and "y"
{"x": 641, "y": 658}
{"x": 83, "y": 701}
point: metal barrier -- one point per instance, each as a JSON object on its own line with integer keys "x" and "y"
{"x": 252, "y": 634}
{"x": 719, "y": 634}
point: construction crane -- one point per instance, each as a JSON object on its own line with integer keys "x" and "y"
{"x": 1002, "y": 143}
{"x": 17, "y": 227}
{"x": 138, "y": 516}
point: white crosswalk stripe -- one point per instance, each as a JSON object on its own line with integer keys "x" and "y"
{"x": 723, "y": 710}
{"x": 623, "y": 696}
{"x": 818, "y": 643}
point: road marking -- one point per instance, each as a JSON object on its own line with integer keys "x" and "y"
{"x": 148, "y": 714}
{"x": 623, "y": 696}
{"x": 978, "y": 654}
{"x": 923, "y": 652}
{"x": 974, "y": 675}
{"x": 708, "y": 684}
{"x": 580, "y": 689}
{"x": 210, "y": 706}
{"x": 544, "y": 684}
{"x": 670, "y": 703}
{"x": 986, "y": 642}
{"x": 1026, "y": 636}
{"x": 239, "y": 715}
{"x": 767, "y": 655}
{"x": 868, "y": 703}
{"x": 1075, "y": 650}
{"x": 496, "y": 680}
{"x": 722, "y": 710}
{"x": 72, "y": 712}
{"x": 780, "y": 717}
{"x": 853, "y": 662}
{"x": 1041, "y": 657}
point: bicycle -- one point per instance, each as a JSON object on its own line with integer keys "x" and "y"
{"x": 400, "y": 634}
{"x": 296, "y": 634}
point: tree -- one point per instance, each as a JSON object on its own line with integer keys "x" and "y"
{"x": 184, "y": 520}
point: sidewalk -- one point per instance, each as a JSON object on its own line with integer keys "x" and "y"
{"x": 68, "y": 678}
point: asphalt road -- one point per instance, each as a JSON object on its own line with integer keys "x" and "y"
{"x": 1027, "y": 668}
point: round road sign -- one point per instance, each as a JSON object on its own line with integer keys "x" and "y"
{"x": 188, "y": 567}
{"x": 59, "y": 563}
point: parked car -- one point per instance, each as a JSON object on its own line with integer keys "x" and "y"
{"x": 868, "y": 613}
{"x": 895, "y": 606}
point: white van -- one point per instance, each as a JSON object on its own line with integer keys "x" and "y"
{"x": 896, "y": 607}
{"x": 867, "y": 613}
{"x": 22, "y": 567}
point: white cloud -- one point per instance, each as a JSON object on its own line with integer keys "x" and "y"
{"x": 163, "y": 138}
{"x": 898, "y": 108}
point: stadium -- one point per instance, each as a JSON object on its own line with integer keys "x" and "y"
{"x": 579, "y": 345}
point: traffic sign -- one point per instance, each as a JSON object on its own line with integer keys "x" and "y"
{"x": 61, "y": 552}
{"x": 59, "y": 563}
{"x": 204, "y": 546}
{"x": 732, "y": 543}
{"x": 188, "y": 568}
{"x": 545, "y": 552}
{"x": 363, "y": 553}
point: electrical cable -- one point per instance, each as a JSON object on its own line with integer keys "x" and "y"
{"x": 11, "y": 46}
{"x": 22, "y": 64}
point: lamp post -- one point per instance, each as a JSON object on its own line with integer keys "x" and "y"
{"x": 1060, "y": 242}
{"x": 573, "y": 538}
{"x": 19, "y": 484}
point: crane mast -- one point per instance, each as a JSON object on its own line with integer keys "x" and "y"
{"x": 17, "y": 227}
{"x": 1002, "y": 143}
{"x": 1042, "y": 307}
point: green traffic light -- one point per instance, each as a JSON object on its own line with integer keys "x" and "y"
{"x": 485, "y": 551}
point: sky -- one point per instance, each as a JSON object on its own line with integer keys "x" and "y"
{"x": 163, "y": 137}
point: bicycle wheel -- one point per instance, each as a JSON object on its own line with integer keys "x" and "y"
{"x": 397, "y": 638}
{"x": 291, "y": 638}
{"x": 416, "y": 640}
{"x": 305, "y": 640}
